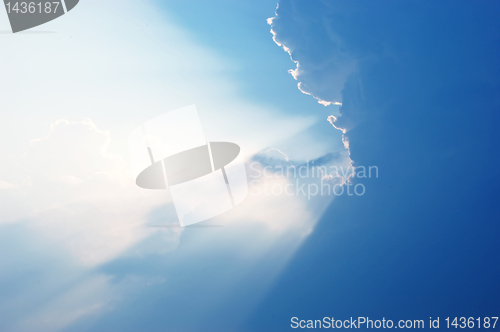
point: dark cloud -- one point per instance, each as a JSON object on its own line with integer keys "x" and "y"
{"x": 323, "y": 62}
{"x": 423, "y": 105}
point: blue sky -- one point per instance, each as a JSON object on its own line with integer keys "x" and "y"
{"x": 423, "y": 106}
{"x": 418, "y": 82}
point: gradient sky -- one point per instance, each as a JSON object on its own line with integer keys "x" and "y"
{"x": 419, "y": 86}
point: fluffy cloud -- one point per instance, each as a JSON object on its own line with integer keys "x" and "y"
{"x": 80, "y": 198}
{"x": 79, "y": 194}
{"x": 322, "y": 60}
{"x": 324, "y": 63}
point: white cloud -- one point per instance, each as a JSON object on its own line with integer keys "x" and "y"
{"x": 70, "y": 110}
{"x": 6, "y": 185}
{"x": 81, "y": 195}
{"x": 332, "y": 119}
{"x": 280, "y": 153}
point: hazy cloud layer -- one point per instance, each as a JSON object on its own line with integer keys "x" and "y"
{"x": 77, "y": 249}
